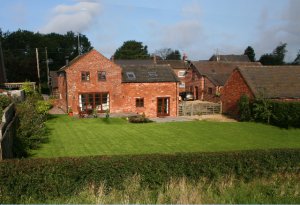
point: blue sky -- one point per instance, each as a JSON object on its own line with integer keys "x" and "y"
{"x": 196, "y": 27}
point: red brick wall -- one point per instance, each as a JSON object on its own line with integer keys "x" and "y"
{"x": 122, "y": 96}
{"x": 194, "y": 79}
{"x": 232, "y": 91}
{"x": 150, "y": 92}
{"x": 94, "y": 62}
{"x": 182, "y": 79}
{"x": 62, "y": 86}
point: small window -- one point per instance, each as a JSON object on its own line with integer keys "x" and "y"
{"x": 152, "y": 74}
{"x": 182, "y": 85}
{"x": 130, "y": 75}
{"x": 181, "y": 74}
{"x": 85, "y": 76}
{"x": 101, "y": 76}
{"x": 139, "y": 102}
{"x": 209, "y": 90}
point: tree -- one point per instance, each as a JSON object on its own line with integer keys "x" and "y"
{"x": 168, "y": 54}
{"x": 249, "y": 51}
{"x": 132, "y": 50}
{"x": 174, "y": 55}
{"x": 276, "y": 57}
{"x": 20, "y": 58}
{"x": 297, "y": 59}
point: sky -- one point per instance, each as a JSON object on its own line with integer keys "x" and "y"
{"x": 198, "y": 28}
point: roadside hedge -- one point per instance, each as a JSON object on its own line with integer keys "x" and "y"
{"x": 46, "y": 179}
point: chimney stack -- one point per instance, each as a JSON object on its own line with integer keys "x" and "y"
{"x": 154, "y": 59}
{"x": 67, "y": 60}
{"x": 184, "y": 58}
{"x": 112, "y": 58}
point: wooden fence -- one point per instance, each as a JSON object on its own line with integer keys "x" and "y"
{"x": 7, "y": 132}
{"x": 189, "y": 108}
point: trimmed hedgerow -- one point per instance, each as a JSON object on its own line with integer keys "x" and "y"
{"x": 44, "y": 179}
{"x": 278, "y": 113}
{"x": 285, "y": 114}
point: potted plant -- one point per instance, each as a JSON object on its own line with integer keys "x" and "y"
{"x": 70, "y": 112}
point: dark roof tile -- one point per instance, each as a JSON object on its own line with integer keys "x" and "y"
{"x": 273, "y": 81}
{"x": 148, "y": 74}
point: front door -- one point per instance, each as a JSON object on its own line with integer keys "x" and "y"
{"x": 196, "y": 93}
{"x": 163, "y": 107}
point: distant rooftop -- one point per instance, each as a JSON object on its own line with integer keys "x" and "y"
{"x": 230, "y": 58}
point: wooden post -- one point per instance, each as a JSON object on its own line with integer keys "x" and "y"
{"x": 38, "y": 67}
{"x": 47, "y": 66}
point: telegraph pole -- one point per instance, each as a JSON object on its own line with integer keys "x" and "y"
{"x": 38, "y": 67}
{"x": 47, "y": 65}
{"x": 78, "y": 42}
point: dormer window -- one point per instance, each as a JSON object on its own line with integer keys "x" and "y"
{"x": 85, "y": 76}
{"x": 101, "y": 76}
{"x": 152, "y": 74}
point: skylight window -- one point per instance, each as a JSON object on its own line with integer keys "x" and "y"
{"x": 130, "y": 75}
{"x": 152, "y": 74}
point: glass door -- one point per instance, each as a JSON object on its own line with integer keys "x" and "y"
{"x": 163, "y": 107}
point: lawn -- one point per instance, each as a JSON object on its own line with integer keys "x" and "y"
{"x": 83, "y": 137}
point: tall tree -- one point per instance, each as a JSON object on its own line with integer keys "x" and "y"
{"x": 168, "y": 54}
{"x": 20, "y": 58}
{"x": 249, "y": 51}
{"x": 174, "y": 55}
{"x": 297, "y": 59}
{"x": 276, "y": 57}
{"x": 132, "y": 50}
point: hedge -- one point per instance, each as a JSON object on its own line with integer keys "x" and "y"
{"x": 285, "y": 114}
{"x": 46, "y": 179}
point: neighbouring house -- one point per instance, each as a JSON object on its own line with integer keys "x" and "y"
{"x": 270, "y": 82}
{"x": 180, "y": 68}
{"x": 230, "y": 58}
{"x": 205, "y": 79}
{"x": 91, "y": 82}
{"x": 53, "y": 83}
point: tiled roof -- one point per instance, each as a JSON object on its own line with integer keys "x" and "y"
{"x": 273, "y": 81}
{"x": 175, "y": 64}
{"x": 148, "y": 74}
{"x": 75, "y": 60}
{"x": 134, "y": 62}
{"x": 230, "y": 58}
{"x": 219, "y": 72}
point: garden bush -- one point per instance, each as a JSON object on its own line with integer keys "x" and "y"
{"x": 278, "y": 113}
{"x": 31, "y": 132}
{"x": 45, "y": 179}
{"x": 139, "y": 119}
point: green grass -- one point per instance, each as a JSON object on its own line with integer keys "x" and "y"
{"x": 84, "y": 137}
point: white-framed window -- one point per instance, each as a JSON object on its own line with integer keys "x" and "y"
{"x": 181, "y": 74}
{"x": 181, "y": 85}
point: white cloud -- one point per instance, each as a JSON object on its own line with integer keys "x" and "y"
{"x": 282, "y": 27}
{"x": 78, "y": 17}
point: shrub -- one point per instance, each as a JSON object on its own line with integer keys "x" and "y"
{"x": 285, "y": 114}
{"x": 262, "y": 110}
{"x": 244, "y": 108}
{"x": 43, "y": 106}
{"x": 139, "y": 119}
{"x": 44, "y": 179}
{"x": 31, "y": 131}
{"x": 4, "y": 101}
{"x": 28, "y": 88}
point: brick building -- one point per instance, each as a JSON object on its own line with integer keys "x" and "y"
{"x": 92, "y": 82}
{"x": 179, "y": 67}
{"x": 271, "y": 82}
{"x": 205, "y": 79}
